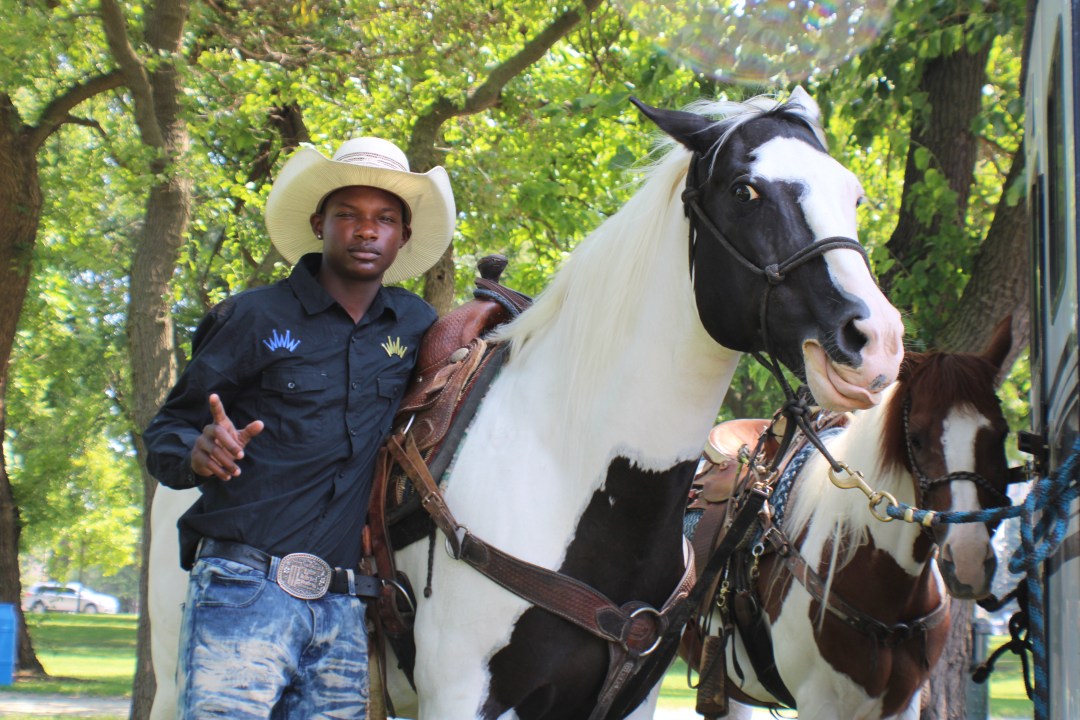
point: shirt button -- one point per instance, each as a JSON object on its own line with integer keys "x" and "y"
{"x": 352, "y": 431}
{"x": 291, "y": 386}
{"x": 354, "y": 385}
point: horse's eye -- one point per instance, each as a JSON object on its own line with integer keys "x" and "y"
{"x": 744, "y": 193}
{"x": 916, "y": 442}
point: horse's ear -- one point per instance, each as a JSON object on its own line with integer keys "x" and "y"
{"x": 800, "y": 97}
{"x": 688, "y": 128}
{"x": 1000, "y": 343}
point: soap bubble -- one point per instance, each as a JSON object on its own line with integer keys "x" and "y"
{"x": 759, "y": 41}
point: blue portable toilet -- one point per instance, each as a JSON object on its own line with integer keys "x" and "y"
{"x": 9, "y": 627}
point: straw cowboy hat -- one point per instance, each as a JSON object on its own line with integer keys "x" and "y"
{"x": 308, "y": 177}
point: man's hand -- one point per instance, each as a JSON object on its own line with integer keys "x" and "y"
{"x": 221, "y": 444}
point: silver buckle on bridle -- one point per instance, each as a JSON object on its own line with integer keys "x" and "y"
{"x": 303, "y": 576}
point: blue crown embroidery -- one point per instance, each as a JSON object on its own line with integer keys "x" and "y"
{"x": 281, "y": 341}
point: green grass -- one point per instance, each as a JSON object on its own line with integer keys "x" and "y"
{"x": 87, "y": 655}
{"x": 1007, "y": 696}
{"x": 94, "y": 655}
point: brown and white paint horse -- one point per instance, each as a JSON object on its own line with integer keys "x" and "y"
{"x": 936, "y": 442}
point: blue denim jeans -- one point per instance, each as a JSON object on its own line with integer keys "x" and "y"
{"x": 249, "y": 650}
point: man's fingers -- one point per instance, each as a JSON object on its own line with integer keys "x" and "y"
{"x": 224, "y": 460}
{"x": 222, "y": 438}
{"x": 217, "y": 411}
{"x": 220, "y": 442}
{"x": 207, "y": 458}
{"x": 253, "y": 428}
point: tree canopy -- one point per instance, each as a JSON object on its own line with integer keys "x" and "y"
{"x": 138, "y": 143}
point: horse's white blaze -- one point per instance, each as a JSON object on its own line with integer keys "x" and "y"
{"x": 830, "y": 191}
{"x": 821, "y": 177}
{"x": 966, "y": 545}
{"x": 575, "y": 395}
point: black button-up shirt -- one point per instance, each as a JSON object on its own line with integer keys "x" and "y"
{"x": 326, "y": 389}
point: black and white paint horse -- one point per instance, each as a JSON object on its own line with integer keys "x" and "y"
{"x": 581, "y": 454}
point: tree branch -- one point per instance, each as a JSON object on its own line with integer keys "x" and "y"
{"x": 422, "y": 142}
{"x": 58, "y": 111}
{"x": 135, "y": 76}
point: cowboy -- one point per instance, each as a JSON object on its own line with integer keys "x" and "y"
{"x": 290, "y": 391}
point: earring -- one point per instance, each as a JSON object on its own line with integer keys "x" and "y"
{"x": 319, "y": 235}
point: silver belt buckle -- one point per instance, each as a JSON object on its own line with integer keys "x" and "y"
{"x": 303, "y": 576}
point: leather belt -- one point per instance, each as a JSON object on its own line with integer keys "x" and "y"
{"x": 304, "y": 576}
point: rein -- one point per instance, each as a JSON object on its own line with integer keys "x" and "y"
{"x": 796, "y": 408}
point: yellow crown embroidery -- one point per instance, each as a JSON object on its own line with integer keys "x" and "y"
{"x": 394, "y": 347}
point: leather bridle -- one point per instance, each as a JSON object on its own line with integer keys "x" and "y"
{"x": 796, "y": 406}
{"x": 927, "y": 484}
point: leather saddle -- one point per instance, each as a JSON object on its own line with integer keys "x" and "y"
{"x": 454, "y": 367}
{"x": 730, "y": 446}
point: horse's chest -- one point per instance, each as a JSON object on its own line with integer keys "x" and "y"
{"x": 627, "y": 545}
{"x": 889, "y": 666}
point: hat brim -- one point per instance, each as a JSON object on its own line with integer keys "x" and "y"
{"x": 308, "y": 177}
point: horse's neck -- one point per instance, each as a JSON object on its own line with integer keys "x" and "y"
{"x": 827, "y": 512}
{"x": 622, "y": 361}
{"x": 610, "y": 362}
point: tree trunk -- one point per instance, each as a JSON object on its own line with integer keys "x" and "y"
{"x": 153, "y": 365}
{"x": 1000, "y": 281}
{"x": 953, "y": 86}
{"x": 439, "y": 284}
{"x": 945, "y": 695}
{"x": 20, "y": 213}
{"x": 156, "y": 90}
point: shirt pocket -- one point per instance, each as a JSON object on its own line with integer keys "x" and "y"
{"x": 391, "y": 390}
{"x": 294, "y": 403}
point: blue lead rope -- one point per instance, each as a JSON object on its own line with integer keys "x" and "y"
{"x": 1048, "y": 500}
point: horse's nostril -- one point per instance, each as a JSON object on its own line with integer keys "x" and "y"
{"x": 852, "y": 339}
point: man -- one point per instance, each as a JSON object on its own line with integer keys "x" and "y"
{"x": 290, "y": 391}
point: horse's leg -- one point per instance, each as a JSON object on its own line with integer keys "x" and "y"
{"x": 914, "y": 708}
{"x": 401, "y": 692}
{"x": 167, "y": 590}
{"x": 647, "y": 709}
{"x": 457, "y": 629}
{"x": 821, "y": 701}
{"x": 738, "y": 711}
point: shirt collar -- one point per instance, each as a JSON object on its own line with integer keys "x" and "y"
{"x": 315, "y": 299}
